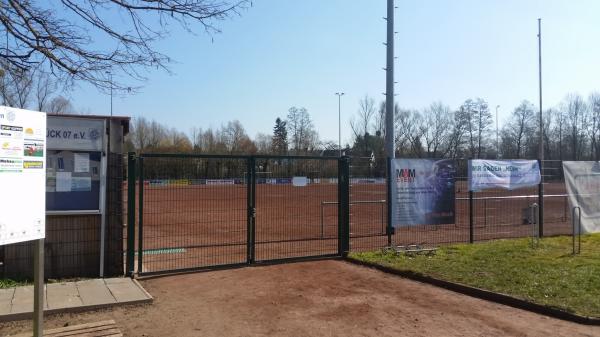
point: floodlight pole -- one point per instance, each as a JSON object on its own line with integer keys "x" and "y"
{"x": 339, "y": 95}
{"x": 497, "y": 139}
{"x": 541, "y": 150}
{"x": 389, "y": 112}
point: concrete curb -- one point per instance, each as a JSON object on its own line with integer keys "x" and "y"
{"x": 483, "y": 294}
{"x": 82, "y": 308}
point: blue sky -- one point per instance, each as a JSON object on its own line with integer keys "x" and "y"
{"x": 283, "y": 53}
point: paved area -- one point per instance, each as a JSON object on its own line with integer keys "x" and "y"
{"x": 17, "y": 303}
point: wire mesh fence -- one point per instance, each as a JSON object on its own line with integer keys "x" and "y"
{"x": 496, "y": 213}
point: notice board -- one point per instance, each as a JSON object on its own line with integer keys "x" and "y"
{"x": 74, "y": 164}
{"x": 22, "y": 175}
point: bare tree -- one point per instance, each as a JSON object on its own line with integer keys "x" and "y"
{"x": 594, "y": 127}
{"x": 59, "y": 34}
{"x": 301, "y": 131}
{"x": 477, "y": 115}
{"x": 60, "y": 105}
{"x": 361, "y": 125}
{"x": 45, "y": 87}
{"x": 575, "y": 108}
{"x": 16, "y": 86}
{"x": 264, "y": 143}
{"x": 520, "y": 129}
{"x": 139, "y": 133}
{"x": 410, "y": 130}
{"x": 437, "y": 119}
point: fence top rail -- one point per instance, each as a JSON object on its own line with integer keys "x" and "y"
{"x": 232, "y": 156}
{"x": 516, "y": 197}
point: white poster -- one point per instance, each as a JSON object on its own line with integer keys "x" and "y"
{"x": 506, "y": 174}
{"x": 81, "y": 162}
{"x": 583, "y": 186}
{"x": 299, "y": 181}
{"x": 63, "y": 181}
{"x": 22, "y": 175}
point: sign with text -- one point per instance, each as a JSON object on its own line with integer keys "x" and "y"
{"x": 22, "y": 175}
{"x": 75, "y": 134}
{"x": 422, "y": 192}
{"x": 506, "y": 174}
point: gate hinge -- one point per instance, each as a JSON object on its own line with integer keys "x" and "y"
{"x": 253, "y": 212}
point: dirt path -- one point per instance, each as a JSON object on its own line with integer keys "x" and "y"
{"x": 327, "y": 298}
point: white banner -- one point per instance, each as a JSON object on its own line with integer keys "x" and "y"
{"x": 583, "y": 185}
{"x": 506, "y": 174}
{"x": 22, "y": 175}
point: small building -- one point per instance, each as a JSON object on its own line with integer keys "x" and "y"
{"x": 84, "y": 201}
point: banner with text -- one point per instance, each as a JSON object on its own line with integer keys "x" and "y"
{"x": 507, "y": 174}
{"x": 583, "y": 185}
{"x": 422, "y": 192}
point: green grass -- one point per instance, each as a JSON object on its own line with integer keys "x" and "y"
{"x": 547, "y": 275}
{"x": 9, "y": 283}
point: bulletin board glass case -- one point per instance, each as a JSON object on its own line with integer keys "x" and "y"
{"x": 73, "y": 180}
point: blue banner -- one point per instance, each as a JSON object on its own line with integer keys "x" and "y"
{"x": 422, "y": 192}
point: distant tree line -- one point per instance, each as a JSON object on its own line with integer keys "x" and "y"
{"x": 571, "y": 130}
{"x": 294, "y": 135}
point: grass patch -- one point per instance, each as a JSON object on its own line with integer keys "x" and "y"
{"x": 547, "y": 275}
{"x": 9, "y": 283}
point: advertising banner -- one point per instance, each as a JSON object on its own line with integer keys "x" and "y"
{"x": 506, "y": 174}
{"x": 22, "y": 175}
{"x": 583, "y": 185}
{"x": 422, "y": 192}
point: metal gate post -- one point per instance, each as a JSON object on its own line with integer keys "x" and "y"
{"x": 471, "y": 217}
{"x": 129, "y": 263}
{"x": 343, "y": 206}
{"x": 541, "y": 202}
{"x": 251, "y": 205}
{"x": 141, "y": 215}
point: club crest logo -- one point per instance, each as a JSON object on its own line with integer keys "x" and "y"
{"x": 94, "y": 134}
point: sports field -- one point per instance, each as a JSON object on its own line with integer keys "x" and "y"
{"x": 191, "y": 226}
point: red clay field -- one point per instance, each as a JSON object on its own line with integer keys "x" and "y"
{"x": 192, "y": 226}
{"x": 325, "y": 298}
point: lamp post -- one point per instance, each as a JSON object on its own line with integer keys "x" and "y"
{"x": 111, "y": 94}
{"x": 339, "y": 95}
{"x": 497, "y": 141}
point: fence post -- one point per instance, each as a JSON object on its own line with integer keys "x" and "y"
{"x": 250, "y": 236}
{"x": 541, "y": 202}
{"x": 343, "y": 206}
{"x": 130, "y": 214}
{"x": 390, "y": 210}
{"x": 471, "y": 220}
{"x": 141, "y": 214}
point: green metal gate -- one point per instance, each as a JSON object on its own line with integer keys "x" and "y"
{"x": 190, "y": 211}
